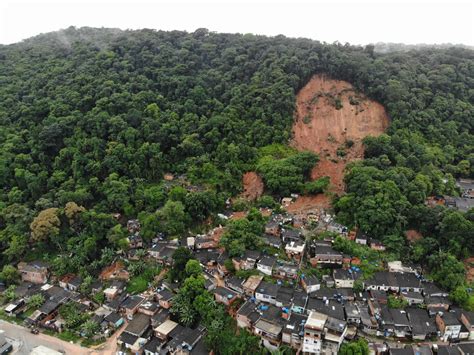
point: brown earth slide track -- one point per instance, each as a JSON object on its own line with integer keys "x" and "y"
{"x": 253, "y": 185}
{"x": 322, "y": 128}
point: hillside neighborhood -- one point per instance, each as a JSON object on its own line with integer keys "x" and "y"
{"x": 312, "y": 286}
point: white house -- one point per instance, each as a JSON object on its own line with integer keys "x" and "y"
{"x": 343, "y": 278}
{"x": 313, "y": 333}
{"x": 448, "y": 325}
{"x": 265, "y": 265}
{"x": 266, "y": 292}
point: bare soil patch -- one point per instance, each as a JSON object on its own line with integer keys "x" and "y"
{"x": 238, "y": 215}
{"x": 253, "y": 186}
{"x": 332, "y": 117}
{"x": 305, "y": 204}
{"x": 413, "y": 235}
{"x": 469, "y": 265}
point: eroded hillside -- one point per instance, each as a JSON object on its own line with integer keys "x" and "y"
{"x": 331, "y": 120}
{"x": 252, "y": 185}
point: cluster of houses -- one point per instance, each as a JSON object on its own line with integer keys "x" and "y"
{"x": 314, "y": 318}
{"x": 150, "y": 329}
{"x": 282, "y": 300}
{"x": 315, "y": 315}
{"x": 145, "y": 318}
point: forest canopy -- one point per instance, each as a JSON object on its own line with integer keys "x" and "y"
{"x": 96, "y": 117}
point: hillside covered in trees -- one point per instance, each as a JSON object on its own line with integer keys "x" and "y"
{"x": 92, "y": 119}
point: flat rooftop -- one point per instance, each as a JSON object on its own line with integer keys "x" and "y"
{"x": 316, "y": 320}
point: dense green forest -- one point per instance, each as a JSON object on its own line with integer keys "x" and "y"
{"x": 91, "y": 120}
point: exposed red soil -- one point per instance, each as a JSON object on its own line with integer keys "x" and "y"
{"x": 322, "y": 128}
{"x": 238, "y": 215}
{"x": 253, "y": 186}
{"x": 115, "y": 271}
{"x": 433, "y": 201}
{"x": 217, "y": 233}
{"x": 469, "y": 265}
{"x": 304, "y": 204}
{"x": 266, "y": 212}
{"x": 413, "y": 235}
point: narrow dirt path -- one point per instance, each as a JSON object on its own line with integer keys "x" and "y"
{"x": 110, "y": 346}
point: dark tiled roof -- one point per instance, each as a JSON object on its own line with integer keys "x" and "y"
{"x": 469, "y": 316}
{"x": 413, "y": 295}
{"x": 49, "y": 306}
{"x": 254, "y": 316}
{"x": 252, "y": 254}
{"x": 119, "y": 284}
{"x": 271, "y": 240}
{"x": 113, "y": 317}
{"x": 295, "y": 324}
{"x": 360, "y": 235}
{"x": 420, "y": 321}
{"x": 467, "y": 348}
{"x": 131, "y": 302}
{"x": 342, "y": 274}
{"x": 225, "y": 292}
{"x": 335, "y": 324}
{"x": 138, "y": 325}
{"x": 431, "y": 289}
{"x": 437, "y": 300}
{"x": 328, "y": 293}
{"x": 290, "y": 233}
{"x": 175, "y": 331}
{"x": 165, "y": 294}
{"x": 271, "y": 314}
{"x": 153, "y": 345}
{"x": 167, "y": 253}
{"x": 188, "y": 336}
{"x": 234, "y": 282}
{"x": 325, "y": 250}
{"x": 300, "y": 299}
{"x": 402, "y": 351}
{"x": 267, "y": 288}
{"x": 199, "y": 348}
{"x": 128, "y": 338}
{"x": 204, "y": 256}
{"x": 394, "y": 317}
{"x": 115, "y": 304}
{"x": 267, "y": 261}
{"x": 450, "y": 319}
{"x": 97, "y": 284}
{"x": 284, "y": 295}
{"x": 448, "y": 350}
{"x": 330, "y": 308}
{"x": 311, "y": 280}
{"x": 394, "y": 279}
{"x": 161, "y": 316}
{"x": 352, "y": 311}
{"x": 271, "y": 224}
{"x": 345, "y": 292}
{"x": 247, "y": 308}
{"x": 378, "y": 295}
{"x": 407, "y": 280}
{"x": 76, "y": 281}
{"x": 158, "y": 247}
{"x": 149, "y": 306}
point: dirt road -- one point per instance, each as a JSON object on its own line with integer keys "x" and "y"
{"x": 25, "y": 342}
{"x": 110, "y": 346}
